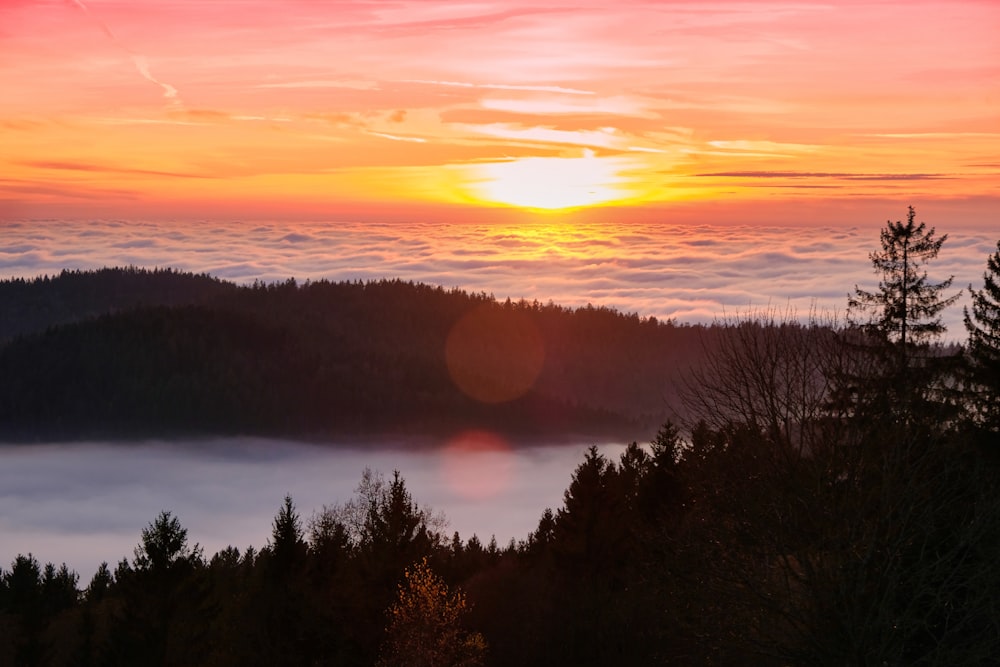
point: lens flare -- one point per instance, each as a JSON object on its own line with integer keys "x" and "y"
{"x": 494, "y": 353}
{"x": 477, "y": 465}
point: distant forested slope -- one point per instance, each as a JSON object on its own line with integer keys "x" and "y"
{"x": 33, "y": 305}
{"x": 130, "y": 352}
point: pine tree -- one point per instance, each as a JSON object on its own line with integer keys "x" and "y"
{"x": 983, "y": 348}
{"x": 281, "y": 635}
{"x": 396, "y": 527}
{"x": 287, "y": 542}
{"x": 164, "y": 544}
{"x": 906, "y": 308}
{"x": 899, "y": 322}
{"x": 159, "y": 609}
{"x": 100, "y": 584}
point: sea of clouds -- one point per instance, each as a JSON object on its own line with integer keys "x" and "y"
{"x": 690, "y": 273}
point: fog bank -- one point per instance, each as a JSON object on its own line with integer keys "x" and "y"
{"x": 86, "y": 503}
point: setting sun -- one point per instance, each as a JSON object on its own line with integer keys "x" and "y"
{"x": 552, "y": 183}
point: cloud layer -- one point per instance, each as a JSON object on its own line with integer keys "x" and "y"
{"x": 691, "y": 273}
{"x": 86, "y": 503}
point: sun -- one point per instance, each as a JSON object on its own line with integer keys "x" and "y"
{"x": 552, "y": 183}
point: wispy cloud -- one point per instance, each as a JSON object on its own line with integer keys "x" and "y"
{"x": 606, "y": 138}
{"x": 140, "y": 121}
{"x": 615, "y": 105}
{"x": 762, "y": 147}
{"x": 395, "y": 137}
{"x": 505, "y": 86}
{"x": 823, "y": 175}
{"x": 272, "y": 119}
{"x": 211, "y": 115}
{"x": 20, "y": 124}
{"x": 934, "y": 135}
{"x": 322, "y": 83}
{"x": 103, "y": 168}
{"x": 65, "y": 193}
{"x": 139, "y": 60}
{"x": 142, "y": 65}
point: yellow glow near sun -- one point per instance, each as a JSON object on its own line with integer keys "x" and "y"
{"x": 552, "y": 183}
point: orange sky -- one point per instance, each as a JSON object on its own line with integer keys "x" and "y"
{"x": 418, "y": 108}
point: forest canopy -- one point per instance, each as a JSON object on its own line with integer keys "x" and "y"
{"x": 131, "y": 352}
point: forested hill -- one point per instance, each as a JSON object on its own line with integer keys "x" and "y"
{"x": 137, "y": 353}
{"x": 27, "y": 306}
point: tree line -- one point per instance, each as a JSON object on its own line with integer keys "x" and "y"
{"x": 126, "y": 353}
{"x": 830, "y": 498}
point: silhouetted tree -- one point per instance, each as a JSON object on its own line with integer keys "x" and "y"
{"x": 59, "y": 588}
{"x": 162, "y": 609}
{"x": 660, "y": 491}
{"x": 383, "y": 531}
{"x": 26, "y": 608}
{"x": 593, "y": 544}
{"x": 770, "y": 373}
{"x": 983, "y": 349}
{"x": 905, "y": 374}
{"x": 287, "y": 543}
{"x": 395, "y": 526}
{"x": 842, "y": 553}
{"x": 281, "y": 593}
{"x": 164, "y": 545}
{"x": 100, "y": 583}
{"x": 585, "y": 530}
{"x": 905, "y": 311}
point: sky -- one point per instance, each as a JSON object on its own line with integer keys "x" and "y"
{"x": 367, "y": 110}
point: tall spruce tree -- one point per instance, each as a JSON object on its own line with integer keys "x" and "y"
{"x": 906, "y": 308}
{"x": 983, "y": 349}
{"x": 899, "y": 323}
{"x": 164, "y": 545}
{"x": 287, "y": 542}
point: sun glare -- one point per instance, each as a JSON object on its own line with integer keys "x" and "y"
{"x": 552, "y": 183}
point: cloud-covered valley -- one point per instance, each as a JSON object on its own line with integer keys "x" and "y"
{"x": 690, "y": 273}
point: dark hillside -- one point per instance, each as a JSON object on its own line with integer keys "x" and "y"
{"x": 141, "y": 353}
{"x": 33, "y": 305}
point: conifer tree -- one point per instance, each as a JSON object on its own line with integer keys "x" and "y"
{"x": 899, "y": 323}
{"x": 983, "y": 349}
{"x": 164, "y": 544}
{"x": 287, "y": 543}
{"x": 100, "y": 583}
{"x": 906, "y": 308}
{"x": 281, "y": 635}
